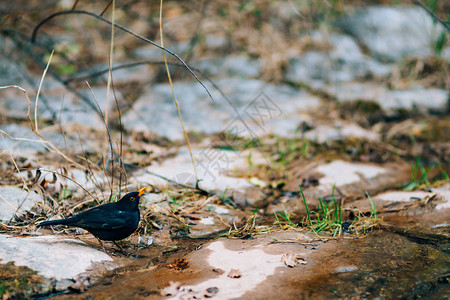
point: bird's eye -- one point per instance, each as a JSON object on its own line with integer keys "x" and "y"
{"x": 132, "y": 199}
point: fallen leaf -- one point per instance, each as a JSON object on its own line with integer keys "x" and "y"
{"x": 292, "y": 260}
{"x": 178, "y": 264}
{"x": 234, "y": 273}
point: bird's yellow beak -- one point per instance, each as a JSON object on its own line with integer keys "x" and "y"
{"x": 141, "y": 191}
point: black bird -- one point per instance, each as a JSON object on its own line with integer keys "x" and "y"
{"x": 109, "y": 222}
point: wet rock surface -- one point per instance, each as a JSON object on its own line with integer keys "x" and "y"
{"x": 321, "y": 164}
{"x": 380, "y": 265}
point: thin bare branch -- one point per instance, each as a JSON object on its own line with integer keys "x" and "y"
{"x": 432, "y": 14}
{"x": 66, "y": 12}
{"x": 39, "y": 91}
{"x": 173, "y": 92}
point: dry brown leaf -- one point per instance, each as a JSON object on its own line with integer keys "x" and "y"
{"x": 234, "y": 273}
{"x": 292, "y": 260}
{"x": 178, "y": 264}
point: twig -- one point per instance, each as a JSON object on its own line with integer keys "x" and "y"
{"x": 173, "y": 93}
{"x": 194, "y": 38}
{"x": 202, "y": 191}
{"x": 106, "y": 8}
{"x": 67, "y": 177}
{"x": 49, "y": 144}
{"x": 432, "y": 14}
{"x": 213, "y": 84}
{"x": 10, "y": 33}
{"x": 7, "y": 203}
{"x": 27, "y": 50}
{"x": 75, "y": 4}
{"x": 39, "y": 91}
{"x": 108, "y": 136}
{"x": 14, "y": 161}
{"x": 108, "y": 89}
{"x": 18, "y": 172}
{"x": 88, "y": 162}
{"x": 122, "y": 166}
{"x": 35, "y": 31}
{"x": 34, "y": 36}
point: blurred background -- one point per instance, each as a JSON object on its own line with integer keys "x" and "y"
{"x": 346, "y": 99}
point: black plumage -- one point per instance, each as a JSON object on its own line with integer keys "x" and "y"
{"x": 109, "y": 222}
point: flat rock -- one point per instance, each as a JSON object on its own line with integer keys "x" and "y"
{"x": 215, "y": 219}
{"x": 215, "y": 41}
{"x": 349, "y": 179}
{"x": 342, "y": 173}
{"x": 423, "y": 99}
{"x": 444, "y": 191}
{"x": 230, "y": 66}
{"x": 150, "y": 52}
{"x": 260, "y": 105}
{"x": 11, "y": 72}
{"x": 436, "y": 200}
{"x": 76, "y": 111}
{"x": 400, "y": 196}
{"x": 423, "y": 208}
{"x": 62, "y": 107}
{"x": 123, "y": 72}
{"x": 249, "y": 265}
{"x": 343, "y": 63}
{"x": 214, "y": 168}
{"x": 21, "y": 141}
{"x": 393, "y": 33}
{"x": 51, "y": 256}
{"x": 439, "y": 200}
{"x": 57, "y": 104}
{"x": 343, "y": 70}
{"x": 342, "y": 131}
{"x": 254, "y": 263}
{"x": 359, "y": 178}
{"x": 353, "y": 91}
{"x": 14, "y": 200}
{"x": 68, "y": 179}
{"x": 254, "y": 269}
{"x": 14, "y": 104}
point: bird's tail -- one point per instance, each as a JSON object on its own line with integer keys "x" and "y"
{"x": 55, "y": 222}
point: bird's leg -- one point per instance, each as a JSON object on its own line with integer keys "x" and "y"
{"x": 121, "y": 249}
{"x": 125, "y": 252}
{"x": 103, "y": 247}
